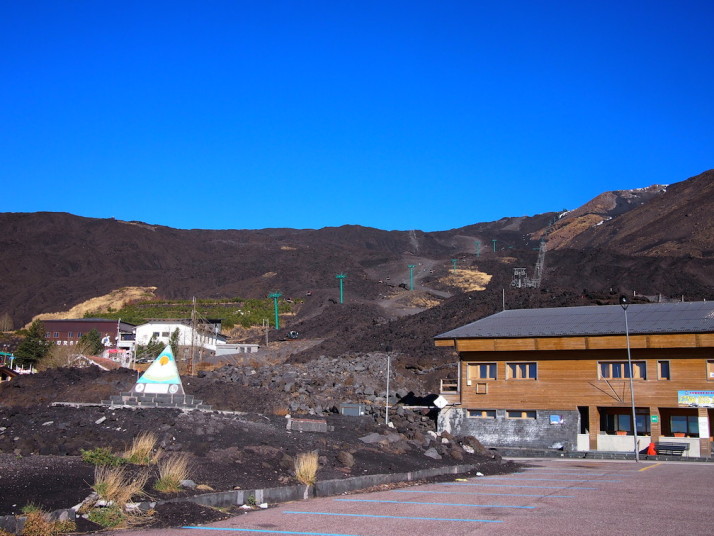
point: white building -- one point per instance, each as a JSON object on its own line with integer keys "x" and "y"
{"x": 207, "y": 336}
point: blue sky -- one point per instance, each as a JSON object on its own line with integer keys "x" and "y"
{"x": 307, "y": 114}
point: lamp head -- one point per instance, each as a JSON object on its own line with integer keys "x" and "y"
{"x": 624, "y": 302}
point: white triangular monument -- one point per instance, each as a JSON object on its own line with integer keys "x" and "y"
{"x": 162, "y": 376}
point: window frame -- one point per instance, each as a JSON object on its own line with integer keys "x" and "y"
{"x": 532, "y": 367}
{"x": 691, "y": 425}
{"x": 660, "y": 374}
{"x": 710, "y": 370}
{"x": 639, "y": 364}
{"x": 485, "y": 413}
{"x": 529, "y": 414}
{"x": 476, "y": 365}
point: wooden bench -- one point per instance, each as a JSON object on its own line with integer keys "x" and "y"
{"x": 671, "y": 448}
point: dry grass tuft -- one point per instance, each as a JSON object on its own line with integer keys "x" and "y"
{"x": 38, "y": 524}
{"x": 113, "y": 484}
{"x": 142, "y": 450}
{"x": 306, "y": 466}
{"x": 172, "y": 470}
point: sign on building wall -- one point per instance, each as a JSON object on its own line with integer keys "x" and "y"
{"x": 696, "y": 399}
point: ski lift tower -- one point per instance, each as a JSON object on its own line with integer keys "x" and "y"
{"x": 275, "y": 296}
{"x": 341, "y": 278}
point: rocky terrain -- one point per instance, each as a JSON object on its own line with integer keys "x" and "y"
{"x": 246, "y": 446}
{"x": 655, "y": 243}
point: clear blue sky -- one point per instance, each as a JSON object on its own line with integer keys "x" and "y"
{"x": 397, "y": 115}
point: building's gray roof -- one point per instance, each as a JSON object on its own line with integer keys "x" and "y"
{"x": 682, "y": 317}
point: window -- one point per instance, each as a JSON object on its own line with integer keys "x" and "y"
{"x": 616, "y": 370}
{"x": 480, "y": 371}
{"x": 164, "y": 333}
{"x": 79, "y": 334}
{"x": 47, "y": 335}
{"x": 520, "y": 414}
{"x": 69, "y": 334}
{"x": 56, "y": 334}
{"x": 663, "y": 370}
{"x": 619, "y": 421}
{"x": 685, "y": 424}
{"x": 521, "y": 371}
{"x": 482, "y": 413}
{"x": 710, "y": 370}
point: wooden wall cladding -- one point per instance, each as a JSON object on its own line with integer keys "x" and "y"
{"x": 568, "y": 379}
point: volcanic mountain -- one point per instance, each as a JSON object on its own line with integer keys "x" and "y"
{"x": 656, "y": 241}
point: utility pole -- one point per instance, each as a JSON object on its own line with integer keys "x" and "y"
{"x": 411, "y": 275}
{"x": 453, "y": 264}
{"x": 341, "y": 278}
{"x": 193, "y": 338}
{"x": 493, "y": 240}
{"x": 387, "y": 350}
{"x": 275, "y": 296}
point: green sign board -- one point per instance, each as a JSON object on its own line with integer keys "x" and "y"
{"x": 654, "y": 418}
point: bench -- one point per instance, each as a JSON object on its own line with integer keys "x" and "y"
{"x": 673, "y": 449}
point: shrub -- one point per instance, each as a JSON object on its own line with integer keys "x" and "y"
{"x": 306, "y": 466}
{"x": 102, "y": 456}
{"x": 172, "y": 470}
{"x": 142, "y": 451}
{"x": 109, "y": 516}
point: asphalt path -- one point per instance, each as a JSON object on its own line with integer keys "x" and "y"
{"x": 550, "y": 497}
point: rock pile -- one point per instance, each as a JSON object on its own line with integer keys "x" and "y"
{"x": 320, "y": 386}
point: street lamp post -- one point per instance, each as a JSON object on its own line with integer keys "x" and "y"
{"x": 624, "y": 304}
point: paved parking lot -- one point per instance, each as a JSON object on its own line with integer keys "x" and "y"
{"x": 553, "y": 497}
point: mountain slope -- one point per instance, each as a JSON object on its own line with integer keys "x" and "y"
{"x": 675, "y": 222}
{"x": 652, "y": 240}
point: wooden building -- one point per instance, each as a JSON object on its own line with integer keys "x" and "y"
{"x": 559, "y": 378}
{"x": 67, "y": 332}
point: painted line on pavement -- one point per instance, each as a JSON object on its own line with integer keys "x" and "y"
{"x": 266, "y": 531}
{"x": 559, "y": 473}
{"x": 650, "y": 466}
{"x": 396, "y": 517}
{"x": 435, "y": 503}
{"x": 555, "y": 479}
{"x": 484, "y": 493}
{"x": 516, "y": 486}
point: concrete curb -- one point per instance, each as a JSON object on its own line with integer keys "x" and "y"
{"x": 324, "y": 488}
